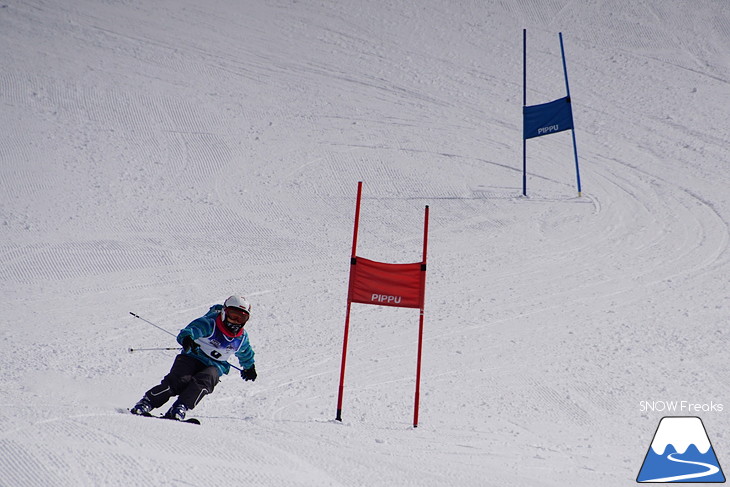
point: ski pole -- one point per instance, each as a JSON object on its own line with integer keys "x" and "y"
{"x": 169, "y": 333}
{"x": 149, "y": 322}
{"x": 148, "y": 349}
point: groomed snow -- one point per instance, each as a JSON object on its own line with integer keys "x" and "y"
{"x": 156, "y": 157}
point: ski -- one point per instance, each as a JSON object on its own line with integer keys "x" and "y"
{"x": 150, "y": 415}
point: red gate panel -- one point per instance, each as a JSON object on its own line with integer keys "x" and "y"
{"x": 384, "y": 284}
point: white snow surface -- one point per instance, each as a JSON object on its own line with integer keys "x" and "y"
{"x": 156, "y": 157}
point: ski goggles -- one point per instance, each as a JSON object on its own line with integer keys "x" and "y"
{"x": 236, "y": 316}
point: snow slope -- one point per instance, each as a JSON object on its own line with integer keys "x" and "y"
{"x": 156, "y": 157}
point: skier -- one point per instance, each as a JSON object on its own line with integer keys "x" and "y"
{"x": 207, "y": 344}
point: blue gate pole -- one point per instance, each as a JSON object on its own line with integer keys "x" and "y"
{"x": 572, "y": 131}
{"x": 524, "y": 104}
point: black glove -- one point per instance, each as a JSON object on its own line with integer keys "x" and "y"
{"x": 249, "y": 374}
{"x": 189, "y": 344}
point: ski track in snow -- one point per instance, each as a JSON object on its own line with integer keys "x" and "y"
{"x": 157, "y": 158}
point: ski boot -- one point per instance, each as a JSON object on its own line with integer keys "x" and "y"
{"x": 143, "y": 407}
{"x": 177, "y": 411}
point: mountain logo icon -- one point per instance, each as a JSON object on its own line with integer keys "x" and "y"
{"x": 681, "y": 452}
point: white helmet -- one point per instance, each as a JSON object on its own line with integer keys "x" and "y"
{"x": 237, "y": 302}
{"x": 240, "y": 303}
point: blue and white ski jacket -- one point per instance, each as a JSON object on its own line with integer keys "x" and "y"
{"x": 216, "y": 343}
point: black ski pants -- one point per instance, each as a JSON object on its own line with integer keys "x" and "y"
{"x": 189, "y": 378}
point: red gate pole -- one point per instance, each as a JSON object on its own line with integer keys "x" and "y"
{"x": 353, "y": 260}
{"x": 420, "y": 321}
